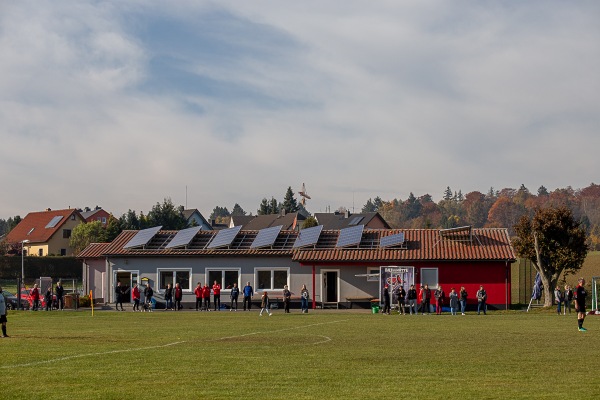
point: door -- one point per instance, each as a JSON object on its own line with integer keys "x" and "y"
{"x": 127, "y": 279}
{"x": 330, "y": 287}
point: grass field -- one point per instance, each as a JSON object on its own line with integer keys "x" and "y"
{"x": 321, "y": 355}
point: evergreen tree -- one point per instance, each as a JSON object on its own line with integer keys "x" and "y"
{"x": 274, "y": 207}
{"x": 448, "y": 193}
{"x": 542, "y": 191}
{"x": 167, "y": 215}
{"x": 263, "y": 208}
{"x": 378, "y": 203}
{"x": 113, "y": 228}
{"x": 290, "y": 205}
{"x": 219, "y": 212}
{"x": 309, "y": 222}
{"x": 238, "y": 210}
{"x": 369, "y": 207}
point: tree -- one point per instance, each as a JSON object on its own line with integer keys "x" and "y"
{"x": 167, "y": 215}
{"x": 309, "y": 222}
{"x": 238, "y": 210}
{"x": 448, "y": 193}
{"x": 290, "y": 205}
{"x": 268, "y": 207}
{"x": 84, "y": 234}
{"x": 219, "y": 212}
{"x": 113, "y": 228}
{"x": 368, "y": 207}
{"x": 542, "y": 191}
{"x": 554, "y": 242}
{"x": 129, "y": 221}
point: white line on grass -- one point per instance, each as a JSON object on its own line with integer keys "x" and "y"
{"x": 283, "y": 330}
{"x": 89, "y": 355}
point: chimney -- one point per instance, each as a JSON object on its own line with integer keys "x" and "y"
{"x": 347, "y": 214}
{"x": 283, "y": 212}
{"x": 48, "y": 209}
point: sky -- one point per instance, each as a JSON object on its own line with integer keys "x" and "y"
{"x": 122, "y": 104}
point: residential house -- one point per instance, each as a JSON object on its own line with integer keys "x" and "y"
{"x": 46, "y": 232}
{"x": 338, "y": 220}
{"x": 195, "y": 218}
{"x": 97, "y": 214}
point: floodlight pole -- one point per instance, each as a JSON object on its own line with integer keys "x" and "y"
{"x": 22, "y": 268}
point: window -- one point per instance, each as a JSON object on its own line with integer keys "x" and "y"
{"x": 183, "y": 277}
{"x": 429, "y": 276}
{"x": 104, "y": 220}
{"x": 66, "y": 233}
{"x": 73, "y": 217}
{"x": 271, "y": 279}
{"x": 373, "y": 274}
{"x": 225, "y": 277}
{"x": 63, "y": 252}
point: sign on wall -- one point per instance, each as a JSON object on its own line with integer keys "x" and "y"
{"x": 394, "y": 277}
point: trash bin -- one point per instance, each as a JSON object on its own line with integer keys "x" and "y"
{"x": 375, "y": 308}
{"x": 68, "y": 301}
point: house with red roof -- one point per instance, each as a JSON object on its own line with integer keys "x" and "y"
{"x": 97, "y": 214}
{"x": 46, "y": 232}
{"x": 340, "y": 267}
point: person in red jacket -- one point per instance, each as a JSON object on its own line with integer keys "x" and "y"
{"x": 35, "y": 297}
{"x": 217, "y": 295}
{"x": 206, "y": 296}
{"x": 198, "y": 292}
{"x": 178, "y": 296}
{"x": 136, "y": 298}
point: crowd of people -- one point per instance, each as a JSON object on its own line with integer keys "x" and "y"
{"x": 173, "y": 297}
{"x": 457, "y": 301}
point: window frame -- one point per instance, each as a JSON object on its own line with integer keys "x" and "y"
{"x": 272, "y": 279}
{"x": 208, "y": 270}
{"x": 174, "y": 271}
{"x": 432, "y": 285}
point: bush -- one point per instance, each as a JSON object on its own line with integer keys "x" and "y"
{"x": 84, "y": 301}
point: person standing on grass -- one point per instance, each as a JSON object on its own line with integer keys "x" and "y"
{"x": 386, "y": 300}
{"x": 198, "y": 293}
{"x": 580, "y": 295}
{"x": 3, "y": 313}
{"x": 235, "y": 293}
{"x": 178, "y": 293}
{"x": 168, "y": 297}
{"x": 412, "y": 299}
{"x": 206, "y": 296}
{"x": 400, "y": 296}
{"x": 60, "y": 292}
{"x": 453, "y": 301}
{"x": 264, "y": 304}
{"x": 248, "y": 293}
{"x": 287, "y": 296}
{"x": 440, "y": 296}
{"x": 481, "y": 300}
{"x": 304, "y": 299}
{"x": 135, "y": 293}
{"x": 148, "y": 293}
{"x": 463, "y": 300}
{"x": 48, "y": 299}
{"x": 425, "y": 299}
{"x": 35, "y": 297}
{"x": 119, "y": 293}
{"x": 558, "y": 296}
{"x": 567, "y": 299}
{"x": 217, "y": 295}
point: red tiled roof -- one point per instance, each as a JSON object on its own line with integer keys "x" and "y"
{"x": 94, "y": 250}
{"x": 420, "y": 245}
{"x": 38, "y": 221}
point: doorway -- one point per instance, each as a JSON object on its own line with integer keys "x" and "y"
{"x": 128, "y": 279}
{"x": 330, "y": 287}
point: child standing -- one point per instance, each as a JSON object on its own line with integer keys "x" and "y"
{"x": 453, "y": 301}
{"x": 264, "y": 304}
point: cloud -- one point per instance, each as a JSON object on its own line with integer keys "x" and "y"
{"x": 123, "y": 104}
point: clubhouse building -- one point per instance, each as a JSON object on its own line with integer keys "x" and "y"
{"x": 341, "y": 268}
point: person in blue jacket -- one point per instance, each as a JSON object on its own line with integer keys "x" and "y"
{"x": 235, "y": 292}
{"x": 248, "y": 293}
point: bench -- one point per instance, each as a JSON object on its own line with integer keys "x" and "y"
{"x": 359, "y": 300}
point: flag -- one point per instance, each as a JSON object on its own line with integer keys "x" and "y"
{"x": 536, "y": 294}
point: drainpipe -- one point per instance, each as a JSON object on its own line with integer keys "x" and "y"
{"x": 314, "y": 302}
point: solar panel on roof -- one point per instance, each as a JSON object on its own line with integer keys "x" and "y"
{"x": 54, "y": 221}
{"x": 142, "y": 237}
{"x": 350, "y": 236}
{"x": 266, "y": 237}
{"x": 355, "y": 221}
{"x": 392, "y": 240}
{"x": 183, "y": 237}
{"x": 224, "y": 237}
{"x": 308, "y": 236}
